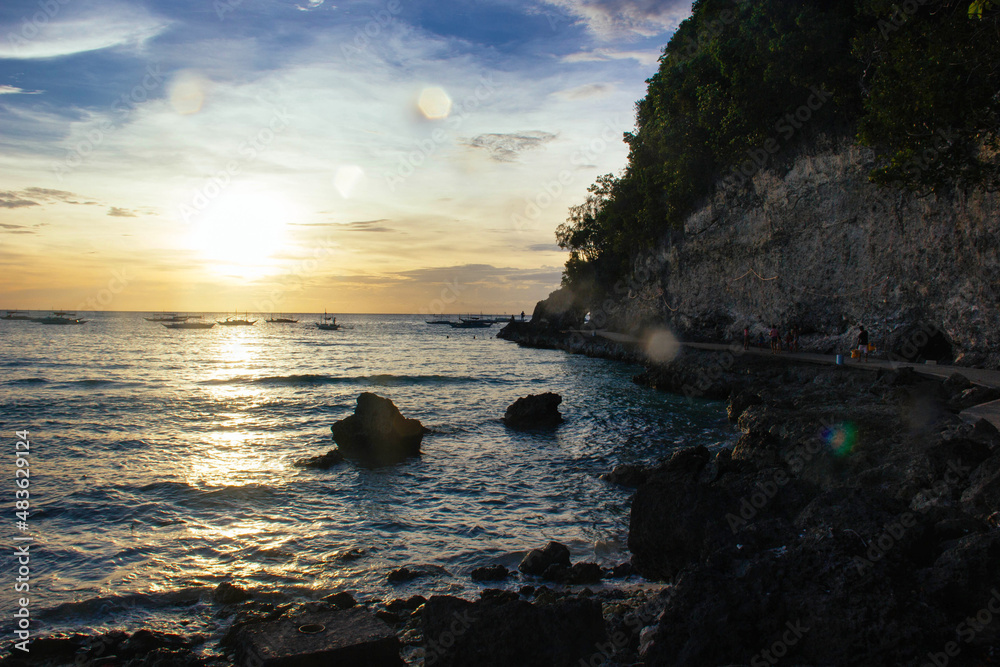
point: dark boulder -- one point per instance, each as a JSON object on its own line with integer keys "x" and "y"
{"x": 535, "y": 411}
{"x": 585, "y": 573}
{"x": 563, "y": 309}
{"x": 342, "y": 637}
{"x": 377, "y": 433}
{"x": 627, "y": 474}
{"x": 229, "y": 593}
{"x": 341, "y": 600}
{"x": 740, "y": 401}
{"x": 321, "y": 462}
{"x": 538, "y": 560}
{"x": 499, "y": 632}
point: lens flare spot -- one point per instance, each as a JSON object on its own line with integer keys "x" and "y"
{"x": 347, "y": 179}
{"x": 661, "y": 346}
{"x": 841, "y": 438}
{"x": 187, "y": 92}
{"x": 434, "y": 103}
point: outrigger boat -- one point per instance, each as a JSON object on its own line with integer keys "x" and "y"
{"x": 190, "y": 325}
{"x": 59, "y": 317}
{"x": 281, "y": 320}
{"x": 237, "y": 322}
{"x": 168, "y": 317}
{"x": 16, "y": 315}
{"x": 328, "y": 323}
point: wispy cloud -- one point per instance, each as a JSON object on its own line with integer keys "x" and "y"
{"x": 14, "y": 200}
{"x": 647, "y": 58}
{"x": 14, "y": 90}
{"x": 60, "y": 35}
{"x": 586, "y": 91}
{"x": 507, "y": 147}
{"x": 611, "y": 19}
{"x": 116, "y": 212}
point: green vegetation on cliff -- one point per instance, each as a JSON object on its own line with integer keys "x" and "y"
{"x": 743, "y": 83}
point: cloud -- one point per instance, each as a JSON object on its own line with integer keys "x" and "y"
{"x": 310, "y": 5}
{"x": 507, "y": 147}
{"x": 587, "y": 91}
{"x": 611, "y": 19}
{"x": 647, "y": 58}
{"x": 14, "y": 90}
{"x": 545, "y": 247}
{"x": 59, "y": 35}
{"x": 116, "y": 212}
{"x": 14, "y": 200}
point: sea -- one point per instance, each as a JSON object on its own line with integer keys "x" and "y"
{"x": 161, "y": 463}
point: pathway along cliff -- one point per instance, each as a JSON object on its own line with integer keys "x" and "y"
{"x": 854, "y": 521}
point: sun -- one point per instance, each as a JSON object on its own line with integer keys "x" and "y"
{"x": 242, "y": 230}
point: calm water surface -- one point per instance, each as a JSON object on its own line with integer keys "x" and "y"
{"x": 162, "y": 461}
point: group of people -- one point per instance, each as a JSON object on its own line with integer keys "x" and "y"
{"x": 790, "y": 343}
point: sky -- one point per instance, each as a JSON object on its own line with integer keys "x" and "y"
{"x": 394, "y": 156}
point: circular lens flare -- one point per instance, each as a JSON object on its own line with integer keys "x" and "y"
{"x": 434, "y": 103}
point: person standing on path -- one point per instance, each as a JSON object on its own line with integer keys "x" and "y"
{"x": 746, "y": 337}
{"x": 863, "y": 342}
{"x": 775, "y": 339}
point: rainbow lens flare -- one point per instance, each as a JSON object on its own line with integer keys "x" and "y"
{"x": 841, "y": 438}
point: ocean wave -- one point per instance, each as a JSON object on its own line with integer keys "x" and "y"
{"x": 320, "y": 379}
{"x": 27, "y": 381}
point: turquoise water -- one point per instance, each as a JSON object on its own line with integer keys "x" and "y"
{"x": 162, "y": 461}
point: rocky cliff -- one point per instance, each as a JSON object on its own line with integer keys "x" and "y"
{"x": 814, "y": 244}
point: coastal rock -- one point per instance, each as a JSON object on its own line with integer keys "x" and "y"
{"x": 537, "y": 561}
{"x": 322, "y": 461}
{"x": 343, "y": 637}
{"x": 403, "y": 574}
{"x": 627, "y": 474}
{"x": 341, "y": 600}
{"x": 377, "y": 433}
{"x": 563, "y": 309}
{"x": 498, "y": 632}
{"x": 585, "y": 573}
{"x": 490, "y": 573}
{"x": 740, "y": 401}
{"x": 534, "y": 411}
{"x": 229, "y": 593}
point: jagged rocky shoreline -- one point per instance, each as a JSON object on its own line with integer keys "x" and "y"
{"x": 854, "y": 522}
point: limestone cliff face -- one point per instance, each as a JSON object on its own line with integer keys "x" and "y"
{"x": 820, "y": 247}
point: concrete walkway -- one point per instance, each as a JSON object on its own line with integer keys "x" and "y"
{"x": 987, "y": 378}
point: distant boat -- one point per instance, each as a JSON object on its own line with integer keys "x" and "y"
{"x": 328, "y": 323}
{"x": 62, "y": 313}
{"x": 190, "y": 325}
{"x": 437, "y": 321}
{"x": 58, "y": 318}
{"x": 168, "y": 317}
{"x": 281, "y": 320}
{"x": 16, "y": 315}
{"x": 237, "y": 322}
{"x": 472, "y": 324}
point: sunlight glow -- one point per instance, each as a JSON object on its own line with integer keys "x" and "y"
{"x": 242, "y": 231}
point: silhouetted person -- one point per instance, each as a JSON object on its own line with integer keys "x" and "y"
{"x": 746, "y": 338}
{"x": 522, "y": 315}
{"x": 863, "y": 342}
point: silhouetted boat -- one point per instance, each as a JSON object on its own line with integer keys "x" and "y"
{"x": 472, "y": 324}
{"x": 328, "y": 323}
{"x": 237, "y": 322}
{"x": 16, "y": 315}
{"x": 56, "y": 318}
{"x": 190, "y": 325}
{"x": 168, "y": 317}
{"x": 281, "y": 320}
{"x": 437, "y": 321}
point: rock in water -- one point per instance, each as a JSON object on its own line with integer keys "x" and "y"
{"x": 377, "y": 433}
{"x": 541, "y": 411}
{"x": 539, "y": 560}
{"x": 321, "y": 462}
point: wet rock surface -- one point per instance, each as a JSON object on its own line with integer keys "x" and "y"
{"x": 377, "y": 433}
{"x": 534, "y": 412}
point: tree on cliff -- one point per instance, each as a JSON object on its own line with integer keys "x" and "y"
{"x": 742, "y": 85}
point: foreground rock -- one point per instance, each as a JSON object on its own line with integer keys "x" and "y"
{"x": 377, "y": 434}
{"x": 321, "y": 462}
{"x": 537, "y": 561}
{"x": 498, "y": 631}
{"x": 350, "y": 637}
{"x": 534, "y": 412}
